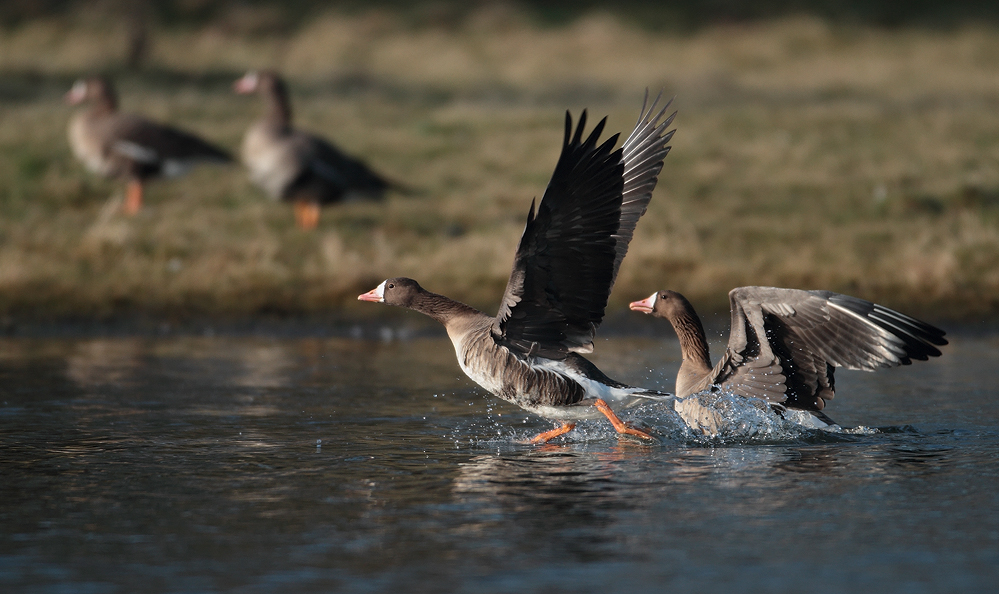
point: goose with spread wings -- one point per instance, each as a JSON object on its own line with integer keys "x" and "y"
{"x": 564, "y": 268}
{"x": 784, "y": 346}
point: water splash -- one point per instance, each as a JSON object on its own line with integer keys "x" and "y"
{"x": 725, "y": 417}
{"x": 706, "y": 419}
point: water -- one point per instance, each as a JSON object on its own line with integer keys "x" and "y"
{"x": 258, "y": 464}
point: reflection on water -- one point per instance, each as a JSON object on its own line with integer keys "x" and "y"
{"x": 104, "y": 362}
{"x": 307, "y": 464}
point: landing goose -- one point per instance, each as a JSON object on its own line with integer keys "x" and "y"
{"x": 784, "y": 346}
{"x": 112, "y": 143}
{"x": 295, "y": 166}
{"x": 563, "y": 271}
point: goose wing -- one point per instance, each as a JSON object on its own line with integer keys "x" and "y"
{"x": 786, "y": 343}
{"x": 147, "y": 142}
{"x": 574, "y": 242}
{"x": 340, "y": 169}
{"x": 643, "y": 153}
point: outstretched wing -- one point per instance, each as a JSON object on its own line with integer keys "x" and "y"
{"x": 573, "y": 244}
{"x": 643, "y": 153}
{"x": 786, "y": 343}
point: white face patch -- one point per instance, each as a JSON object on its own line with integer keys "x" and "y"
{"x": 78, "y": 93}
{"x": 646, "y": 305}
{"x": 250, "y": 82}
{"x": 376, "y": 295}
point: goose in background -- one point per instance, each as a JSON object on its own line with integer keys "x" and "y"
{"x": 784, "y": 345}
{"x": 296, "y": 166}
{"x": 563, "y": 272}
{"x": 116, "y": 144}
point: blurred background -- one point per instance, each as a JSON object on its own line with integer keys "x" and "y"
{"x": 850, "y": 146}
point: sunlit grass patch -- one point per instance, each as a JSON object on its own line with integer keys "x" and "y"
{"x": 807, "y": 155}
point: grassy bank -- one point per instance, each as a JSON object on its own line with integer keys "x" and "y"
{"x": 810, "y": 156}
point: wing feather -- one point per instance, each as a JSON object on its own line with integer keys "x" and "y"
{"x": 576, "y": 237}
{"x": 809, "y": 333}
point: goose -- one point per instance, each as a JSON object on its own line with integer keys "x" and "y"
{"x": 296, "y": 166}
{"x": 112, "y": 143}
{"x": 784, "y": 345}
{"x": 563, "y": 271}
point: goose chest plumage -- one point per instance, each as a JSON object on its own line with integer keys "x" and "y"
{"x": 530, "y": 353}
{"x": 784, "y": 346}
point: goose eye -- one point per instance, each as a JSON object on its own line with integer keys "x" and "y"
{"x": 391, "y": 286}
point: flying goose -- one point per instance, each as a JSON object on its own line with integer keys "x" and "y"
{"x": 112, "y": 143}
{"x": 563, "y": 271}
{"x": 295, "y": 166}
{"x": 785, "y": 344}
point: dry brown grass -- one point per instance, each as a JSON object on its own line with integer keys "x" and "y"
{"x": 850, "y": 159}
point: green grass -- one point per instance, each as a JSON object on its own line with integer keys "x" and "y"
{"x": 809, "y": 156}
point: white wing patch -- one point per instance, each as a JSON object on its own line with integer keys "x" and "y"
{"x": 176, "y": 167}
{"x": 136, "y": 152}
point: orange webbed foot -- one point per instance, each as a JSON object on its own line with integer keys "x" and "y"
{"x": 619, "y": 425}
{"x": 549, "y": 435}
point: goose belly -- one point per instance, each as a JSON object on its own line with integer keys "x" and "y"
{"x": 488, "y": 377}
{"x": 499, "y": 371}
{"x": 537, "y": 390}
{"x": 547, "y": 388}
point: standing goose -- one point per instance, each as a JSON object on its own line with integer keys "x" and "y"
{"x": 295, "y": 166}
{"x": 116, "y": 144}
{"x": 563, "y": 271}
{"x": 785, "y": 344}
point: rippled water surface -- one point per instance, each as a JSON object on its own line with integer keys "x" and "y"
{"x": 258, "y": 464}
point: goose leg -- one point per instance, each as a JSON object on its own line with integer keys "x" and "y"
{"x": 306, "y": 214}
{"x": 133, "y": 197}
{"x": 619, "y": 425}
{"x": 549, "y": 435}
